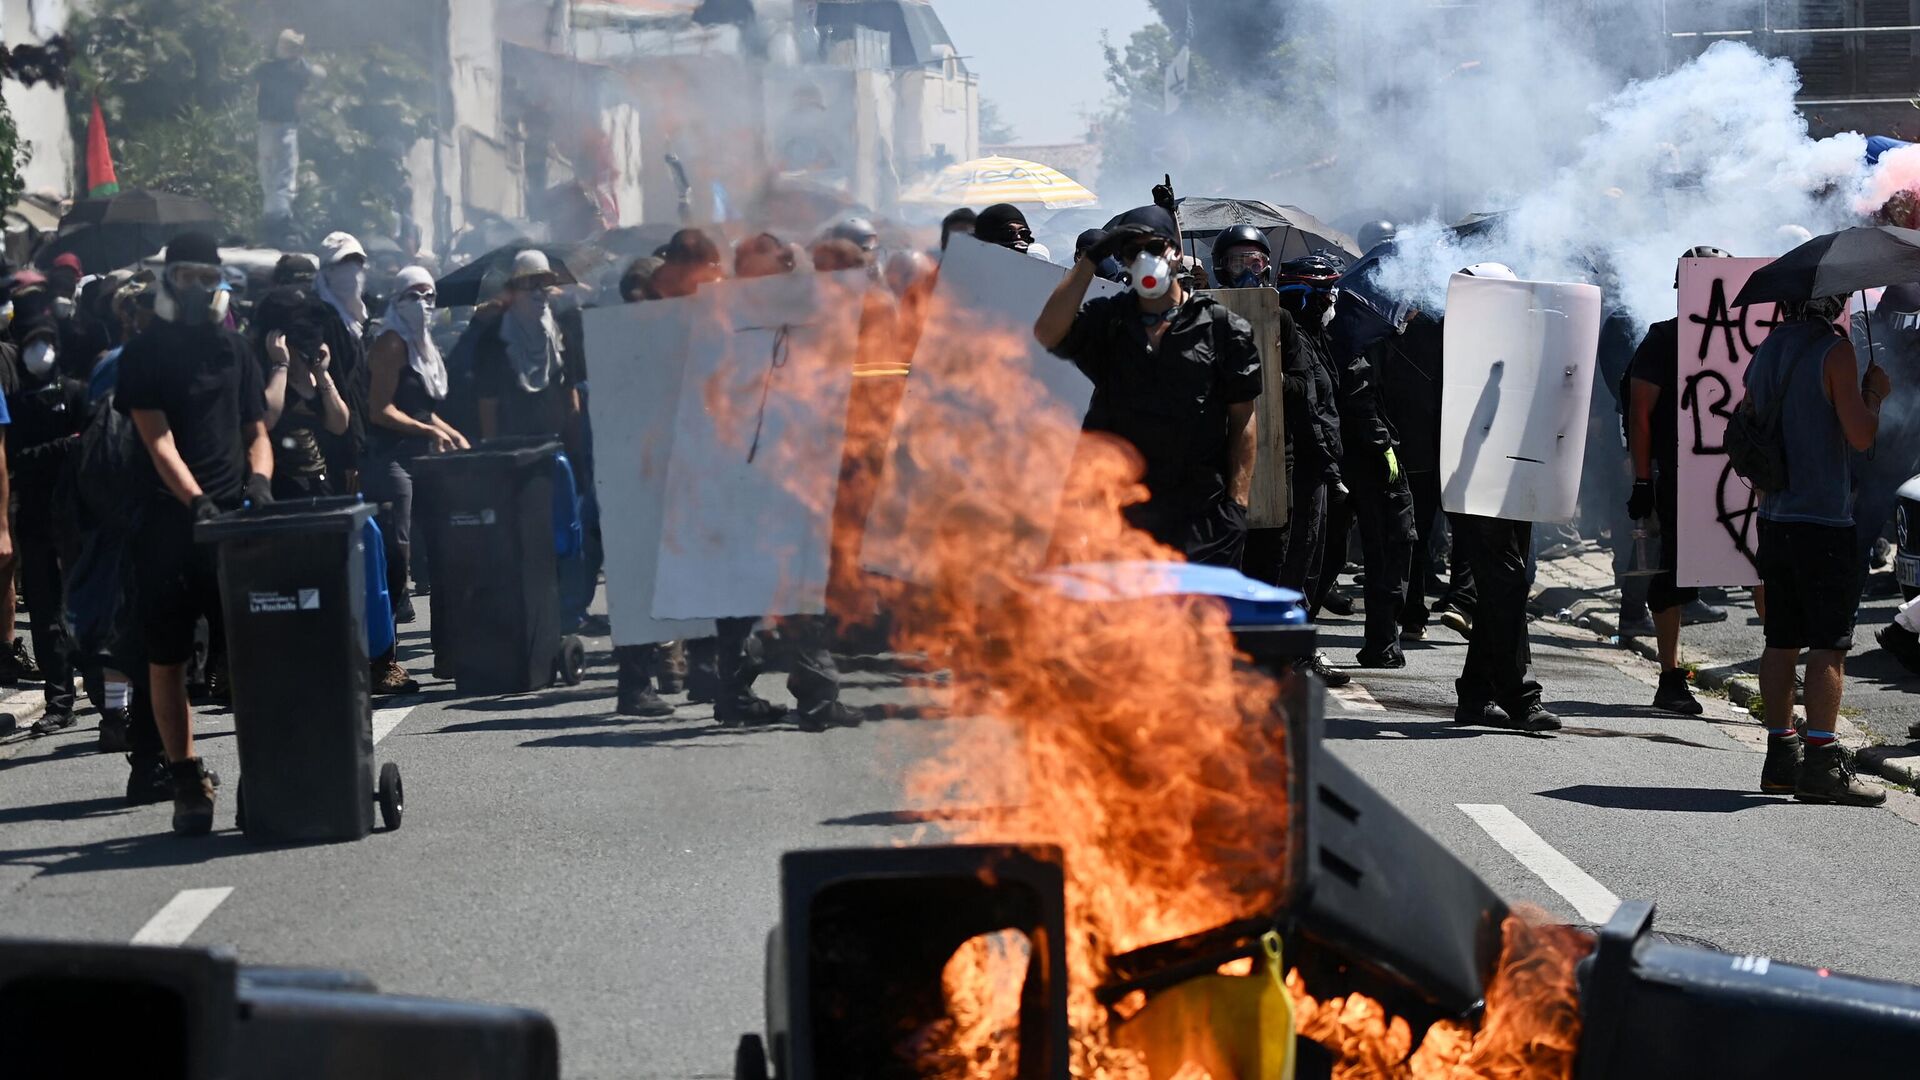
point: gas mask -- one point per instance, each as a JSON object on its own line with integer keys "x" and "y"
{"x": 192, "y": 294}
{"x": 1152, "y": 275}
{"x": 39, "y": 358}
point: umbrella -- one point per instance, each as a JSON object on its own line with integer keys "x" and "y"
{"x": 462, "y": 287}
{"x": 123, "y": 229}
{"x": 1291, "y": 231}
{"x": 989, "y": 180}
{"x": 1837, "y": 264}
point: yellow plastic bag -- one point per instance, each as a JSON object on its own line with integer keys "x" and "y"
{"x": 1223, "y": 1027}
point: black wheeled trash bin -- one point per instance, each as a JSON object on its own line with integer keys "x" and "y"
{"x": 293, "y": 586}
{"x": 496, "y": 596}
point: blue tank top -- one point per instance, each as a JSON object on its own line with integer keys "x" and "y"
{"x": 1819, "y": 461}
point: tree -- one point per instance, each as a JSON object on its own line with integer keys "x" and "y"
{"x": 14, "y": 156}
{"x": 994, "y": 128}
{"x": 175, "y": 80}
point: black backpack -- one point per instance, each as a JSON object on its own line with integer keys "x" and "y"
{"x": 110, "y": 470}
{"x": 1753, "y": 442}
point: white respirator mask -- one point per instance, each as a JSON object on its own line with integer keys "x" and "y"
{"x": 1152, "y": 275}
{"x": 39, "y": 358}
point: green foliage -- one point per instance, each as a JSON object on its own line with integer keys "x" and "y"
{"x": 175, "y": 80}
{"x": 14, "y": 156}
{"x": 994, "y": 128}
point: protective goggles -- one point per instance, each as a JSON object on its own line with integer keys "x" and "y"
{"x": 187, "y": 275}
{"x": 1247, "y": 262}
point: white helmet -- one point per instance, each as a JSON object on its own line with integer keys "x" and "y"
{"x": 1497, "y": 271}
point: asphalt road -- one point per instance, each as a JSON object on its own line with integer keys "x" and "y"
{"x": 622, "y": 875}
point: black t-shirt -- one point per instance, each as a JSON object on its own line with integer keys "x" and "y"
{"x": 205, "y": 381}
{"x": 524, "y": 412}
{"x": 1170, "y": 402}
{"x": 281, "y": 84}
{"x": 1657, "y": 361}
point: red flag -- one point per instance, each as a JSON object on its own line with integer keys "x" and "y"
{"x": 101, "y": 180}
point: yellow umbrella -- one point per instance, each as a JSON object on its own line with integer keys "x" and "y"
{"x": 989, "y": 180}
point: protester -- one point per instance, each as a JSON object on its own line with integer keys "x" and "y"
{"x": 958, "y": 223}
{"x": 341, "y": 284}
{"x": 194, "y": 392}
{"x": 636, "y": 282}
{"x": 1653, "y": 442}
{"x": 523, "y": 375}
{"x": 761, "y": 256}
{"x": 1379, "y": 503}
{"x": 303, "y": 405}
{"x": 1410, "y": 367}
{"x": 690, "y": 259}
{"x": 1495, "y": 687}
{"x": 1308, "y": 288}
{"x": 1003, "y": 224}
{"x": 48, "y": 409}
{"x": 1181, "y": 393}
{"x": 282, "y": 80}
{"x": 1806, "y": 368}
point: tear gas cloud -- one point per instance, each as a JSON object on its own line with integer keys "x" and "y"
{"x": 1526, "y": 107}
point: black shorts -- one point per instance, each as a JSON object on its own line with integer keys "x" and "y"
{"x": 1812, "y": 576}
{"x": 1662, "y": 592}
{"x": 175, "y": 582}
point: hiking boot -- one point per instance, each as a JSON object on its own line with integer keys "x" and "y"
{"x": 832, "y": 714}
{"x": 16, "y": 665}
{"x": 192, "y": 797}
{"x": 1457, "y": 621}
{"x": 641, "y": 702}
{"x": 1697, "y": 612}
{"x": 149, "y": 780}
{"x": 748, "y": 710}
{"x": 1338, "y": 602}
{"x": 1481, "y": 714}
{"x": 1675, "y": 695}
{"x": 1781, "y": 773}
{"x": 1390, "y": 657}
{"x": 1826, "y": 776}
{"x": 113, "y": 731}
{"x": 54, "y": 721}
{"x": 1330, "y": 675}
{"x": 389, "y": 679}
{"x": 1531, "y": 716}
{"x": 1902, "y": 644}
{"x": 1638, "y": 626}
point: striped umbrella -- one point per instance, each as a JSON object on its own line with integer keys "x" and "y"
{"x": 989, "y": 180}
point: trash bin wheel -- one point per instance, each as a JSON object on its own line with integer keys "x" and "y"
{"x": 392, "y": 796}
{"x": 571, "y": 665}
{"x": 750, "y": 1059}
{"x": 240, "y": 805}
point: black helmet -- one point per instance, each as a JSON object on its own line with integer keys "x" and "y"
{"x": 1375, "y": 233}
{"x": 1314, "y": 270}
{"x": 1237, "y": 236}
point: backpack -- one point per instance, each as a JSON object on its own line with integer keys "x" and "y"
{"x": 107, "y": 472}
{"x": 1753, "y": 442}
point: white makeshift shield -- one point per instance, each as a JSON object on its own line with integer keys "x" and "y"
{"x": 758, "y": 437}
{"x": 1520, "y": 359}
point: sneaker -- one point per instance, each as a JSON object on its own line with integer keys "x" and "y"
{"x": 1639, "y": 626}
{"x": 403, "y": 612}
{"x": 1827, "y": 776}
{"x": 1902, "y": 644}
{"x": 54, "y": 721}
{"x": 1323, "y": 667}
{"x": 642, "y": 702}
{"x": 1781, "y": 773}
{"x": 671, "y": 684}
{"x": 1414, "y": 633}
{"x": 1457, "y": 621}
{"x": 192, "y": 797}
{"x": 149, "y": 780}
{"x": 1559, "y": 549}
{"x": 831, "y": 714}
{"x": 1697, "y": 612}
{"x": 748, "y": 710}
{"x": 1675, "y": 695}
{"x": 1531, "y": 716}
{"x": 389, "y": 679}
{"x": 1481, "y": 714}
{"x": 16, "y": 664}
{"x": 113, "y": 731}
{"x": 1338, "y": 602}
{"x": 1883, "y": 550}
{"x": 595, "y": 626}
{"x": 1386, "y": 658}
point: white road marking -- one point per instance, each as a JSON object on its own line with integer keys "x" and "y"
{"x": 1592, "y": 900}
{"x": 182, "y": 916}
{"x": 1354, "y": 696}
{"x": 385, "y": 720}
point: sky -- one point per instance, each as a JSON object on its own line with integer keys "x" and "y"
{"x": 1040, "y": 60}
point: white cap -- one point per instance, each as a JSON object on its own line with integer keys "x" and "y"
{"x": 1497, "y": 271}
{"x": 338, "y": 246}
{"x": 531, "y": 263}
{"x": 412, "y": 278}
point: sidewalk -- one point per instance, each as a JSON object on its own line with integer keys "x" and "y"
{"x": 1579, "y": 589}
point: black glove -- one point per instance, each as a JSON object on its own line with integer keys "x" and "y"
{"x": 259, "y": 490}
{"x": 203, "y": 508}
{"x": 1118, "y": 240}
{"x": 1640, "y": 503}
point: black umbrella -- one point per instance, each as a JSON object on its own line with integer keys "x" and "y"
{"x": 462, "y": 287}
{"x": 123, "y": 229}
{"x": 1837, "y": 264}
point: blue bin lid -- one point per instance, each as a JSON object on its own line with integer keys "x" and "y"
{"x": 1249, "y": 602}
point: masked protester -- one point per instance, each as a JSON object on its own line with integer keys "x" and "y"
{"x": 193, "y": 390}
{"x": 1003, "y": 224}
{"x": 524, "y": 380}
{"x": 341, "y": 283}
{"x": 282, "y": 80}
{"x": 1175, "y": 374}
{"x": 1309, "y": 288}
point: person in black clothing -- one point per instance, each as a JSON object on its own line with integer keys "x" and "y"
{"x": 304, "y": 406}
{"x": 193, "y": 389}
{"x": 1175, "y": 374}
{"x": 1308, "y": 290}
{"x": 523, "y": 374}
{"x": 282, "y": 81}
{"x": 341, "y": 284}
{"x": 1409, "y": 368}
{"x": 49, "y": 410}
{"x": 1380, "y": 504}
